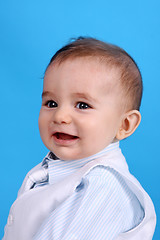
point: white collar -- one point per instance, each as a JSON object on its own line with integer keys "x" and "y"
{"x": 59, "y": 169}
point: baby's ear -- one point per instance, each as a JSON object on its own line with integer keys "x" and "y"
{"x": 129, "y": 123}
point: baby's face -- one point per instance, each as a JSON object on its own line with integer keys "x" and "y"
{"x": 81, "y": 108}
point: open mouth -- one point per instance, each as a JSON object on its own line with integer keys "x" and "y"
{"x": 64, "y": 136}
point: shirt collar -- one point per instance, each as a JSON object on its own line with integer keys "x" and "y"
{"x": 58, "y": 169}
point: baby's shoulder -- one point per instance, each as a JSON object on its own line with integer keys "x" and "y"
{"x": 111, "y": 179}
{"x": 110, "y": 185}
{"x": 104, "y": 172}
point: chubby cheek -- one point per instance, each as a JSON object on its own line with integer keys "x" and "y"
{"x": 89, "y": 128}
{"x": 101, "y": 130}
{"x": 40, "y": 121}
{"x": 43, "y": 125}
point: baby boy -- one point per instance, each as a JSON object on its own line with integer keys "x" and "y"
{"x": 82, "y": 189}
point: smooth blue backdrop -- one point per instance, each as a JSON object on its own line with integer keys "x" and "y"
{"x": 30, "y": 32}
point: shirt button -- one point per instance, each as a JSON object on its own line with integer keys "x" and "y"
{"x": 10, "y": 219}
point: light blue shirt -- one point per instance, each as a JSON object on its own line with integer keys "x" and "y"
{"x": 101, "y": 207}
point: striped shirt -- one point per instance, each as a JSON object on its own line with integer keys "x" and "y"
{"x": 101, "y": 207}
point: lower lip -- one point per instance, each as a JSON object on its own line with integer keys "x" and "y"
{"x": 65, "y": 142}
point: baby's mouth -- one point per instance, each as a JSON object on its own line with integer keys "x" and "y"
{"x": 64, "y": 136}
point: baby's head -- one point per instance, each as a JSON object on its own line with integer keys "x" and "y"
{"x": 91, "y": 97}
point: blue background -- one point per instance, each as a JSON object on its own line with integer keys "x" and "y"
{"x": 30, "y": 32}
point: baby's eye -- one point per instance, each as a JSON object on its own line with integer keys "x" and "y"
{"x": 82, "y": 105}
{"x": 51, "y": 104}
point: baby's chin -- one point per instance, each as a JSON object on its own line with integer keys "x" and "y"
{"x": 71, "y": 157}
{"x": 71, "y": 153}
{"x": 74, "y": 156}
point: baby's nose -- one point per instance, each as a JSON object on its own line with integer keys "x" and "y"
{"x": 62, "y": 115}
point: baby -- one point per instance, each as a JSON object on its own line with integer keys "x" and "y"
{"x": 83, "y": 190}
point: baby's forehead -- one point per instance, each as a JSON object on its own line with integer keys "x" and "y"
{"x": 87, "y": 71}
{"x": 94, "y": 64}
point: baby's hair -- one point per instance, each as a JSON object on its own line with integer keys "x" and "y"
{"x": 112, "y": 56}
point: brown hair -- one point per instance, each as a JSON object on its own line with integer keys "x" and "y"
{"x": 130, "y": 78}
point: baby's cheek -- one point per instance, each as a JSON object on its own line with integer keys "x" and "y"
{"x": 42, "y": 124}
{"x": 90, "y": 123}
{"x": 42, "y": 118}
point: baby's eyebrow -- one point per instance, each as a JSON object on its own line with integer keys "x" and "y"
{"x": 84, "y": 96}
{"x": 46, "y": 94}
